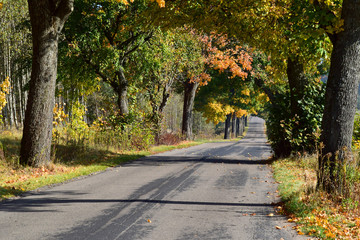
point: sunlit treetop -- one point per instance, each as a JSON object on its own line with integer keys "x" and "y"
{"x": 280, "y": 28}
{"x": 161, "y": 3}
{"x": 223, "y": 55}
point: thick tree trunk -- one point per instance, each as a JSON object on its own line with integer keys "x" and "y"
{"x": 189, "y": 97}
{"x": 47, "y": 20}
{"x": 227, "y": 126}
{"x": 340, "y": 99}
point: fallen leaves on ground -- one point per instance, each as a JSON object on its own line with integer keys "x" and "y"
{"x": 320, "y": 214}
{"x": 19, "y": 179}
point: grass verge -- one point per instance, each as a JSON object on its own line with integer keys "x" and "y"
{"x": 315, "y": 213}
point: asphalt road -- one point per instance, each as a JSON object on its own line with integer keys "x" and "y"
{"x": 211, "y": 191}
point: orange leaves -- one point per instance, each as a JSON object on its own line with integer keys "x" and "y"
{"x": 221, "y": 55}
{"x": 357, "y": 222}
{"x": 203, "y": 78}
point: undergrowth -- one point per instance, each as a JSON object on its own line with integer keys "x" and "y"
{"x": 316, "y": 213}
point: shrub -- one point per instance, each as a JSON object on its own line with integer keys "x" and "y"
{"x": 170, "y": 139}
{"x": 289, "y": 134}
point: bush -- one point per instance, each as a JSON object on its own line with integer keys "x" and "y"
{"x": 170, "y": 139}
{"x": 356, "y": 133}
{"x": 105, "y": 134}
{"x": 289, "y": 134}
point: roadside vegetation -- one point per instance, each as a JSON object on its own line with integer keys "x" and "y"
{"x": 317, "y": 213}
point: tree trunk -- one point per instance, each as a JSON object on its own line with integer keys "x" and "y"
{"x": 227, "y": 126}
{"x": 297, "y": 82}
{"x": 242, "y": 125}
{"x": 233, "y": 119}
{"x": 47, "y": 20}
{"x": 237, "y": 127}
{"x": 340, "y": 99}
{"x": 189, "y": 97}
{"x": 122, "y": 93}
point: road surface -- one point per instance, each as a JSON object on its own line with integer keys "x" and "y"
{"x": 219, "y": 190}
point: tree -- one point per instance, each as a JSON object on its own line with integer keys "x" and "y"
{"x": 288, "y": 31}
{"x": 157, "y": 67}
{"x": 103, "y": 35}
{"x": 47, "y": 20}
{"x": 191, "y": 76}
{"x": 341, "y": 97}
{"x": 229, "y": 66}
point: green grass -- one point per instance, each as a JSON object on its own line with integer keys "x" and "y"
{"x": 316, "y": 213}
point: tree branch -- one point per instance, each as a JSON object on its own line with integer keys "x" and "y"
{"x": 332, "y": 36}
{"x": 64, "y": 9}
{"x": 260, "y": 83}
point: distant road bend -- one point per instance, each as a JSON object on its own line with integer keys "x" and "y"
{"x": 219, "y": 190}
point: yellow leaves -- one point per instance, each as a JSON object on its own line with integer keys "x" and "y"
{"x": 239, "y": 113}
{"x": 4, "y": 89}
{"x": 216, "y": 112}
{"x": 1, "y": 5}
{"x": 58, "y": 114}
{"x": 246, "y": 92}
{"x": 263, "y": 98}
{"x": 124, "y": 1}
{"x": 336, "y": 27}
{"x": 160, "y": 2}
